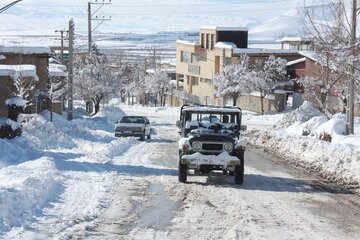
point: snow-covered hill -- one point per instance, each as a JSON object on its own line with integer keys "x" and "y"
{"x": 265, "y": 19}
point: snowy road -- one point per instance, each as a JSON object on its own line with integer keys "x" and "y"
{"x": 273, "y": 203}
{"x": 113, "y": 188}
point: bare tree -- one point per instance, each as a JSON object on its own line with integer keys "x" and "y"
{"x": 330, "y": 29}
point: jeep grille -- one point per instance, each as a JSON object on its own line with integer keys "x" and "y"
{"x": 212, "y": 146}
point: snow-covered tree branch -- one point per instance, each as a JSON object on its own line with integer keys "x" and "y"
{"x": 95, "y": 79}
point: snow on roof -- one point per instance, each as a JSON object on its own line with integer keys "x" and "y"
{"x": 56, "y": 70}
{"x": 263, "y": 50}
{"x": 224, "y": 28}
{"x": 309, "y": 54}
{"x": 293, "y": 39}
{"x": 186, "y": 42}
{"x": 25, "y": 70}
{"x": 16, "y": 101}
{"x": 296, "y": 61}
{"x": 25, "y": 50}
{"x": 228, "y": 45}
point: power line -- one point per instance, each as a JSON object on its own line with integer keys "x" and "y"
{"x": 9, "y": 6}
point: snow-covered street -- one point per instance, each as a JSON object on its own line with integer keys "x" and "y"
{"x": 74, "y": 180}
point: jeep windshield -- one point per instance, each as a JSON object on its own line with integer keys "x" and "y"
{"x": 211, "y": 120}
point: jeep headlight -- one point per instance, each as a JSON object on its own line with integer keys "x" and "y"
{"x": 228, "y": 147}
{"x": 196, "y": 146}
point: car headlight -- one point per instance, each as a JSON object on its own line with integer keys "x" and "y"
{"x": 228, "y": 147}
{"x": 196, "y": 146}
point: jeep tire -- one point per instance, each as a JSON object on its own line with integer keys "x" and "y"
{"x": 182, "y": 173}
{"x": 239, "y": 173}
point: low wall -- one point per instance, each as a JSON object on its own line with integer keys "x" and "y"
{"x": 272, "y": 103}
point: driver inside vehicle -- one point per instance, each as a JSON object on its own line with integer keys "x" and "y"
{"x": 225, "y": 119}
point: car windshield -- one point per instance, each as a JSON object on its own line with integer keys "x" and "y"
{"x": 132, "y": 119}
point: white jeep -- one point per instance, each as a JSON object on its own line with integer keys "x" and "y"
{"x": 210, "y": 141}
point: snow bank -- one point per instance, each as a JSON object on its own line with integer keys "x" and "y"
{"x": 25, "y": 189}
{"x": 296, "y": 138}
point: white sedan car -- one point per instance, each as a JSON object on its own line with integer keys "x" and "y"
{"x": 136, "y": 126}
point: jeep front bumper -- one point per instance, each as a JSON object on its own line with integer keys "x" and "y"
{"x": 197, "y": 159}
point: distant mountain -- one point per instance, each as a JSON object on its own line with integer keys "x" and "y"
{"x": 267, "y": 20}
{"x": 285, "y": 25}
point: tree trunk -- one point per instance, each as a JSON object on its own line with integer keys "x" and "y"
{"x": 262, "y": 103}
{"x": 97, "y": 104}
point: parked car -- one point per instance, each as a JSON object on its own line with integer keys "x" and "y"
{"x": 210, "y": 141}
{"x": 136, "y": 126}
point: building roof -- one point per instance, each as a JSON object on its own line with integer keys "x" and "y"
{"x": 224, "y": 28}
{"x": 263, "y": 51}
{"x": 228, "y": 45}
{"x": 296, "y": 61}
{"x": 293, "y": 39}
{"x": 25, "y": 50}
{"x": 25, "y": 70}
{"x": 56, "y": 70}
{"x": 309, "y": 54}
{"x": 187, "y": 42}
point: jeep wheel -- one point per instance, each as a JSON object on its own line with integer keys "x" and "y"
{"x": 148, "y": 136}
{"x": 182, "y": 173}
{"x": 239, "y": 173}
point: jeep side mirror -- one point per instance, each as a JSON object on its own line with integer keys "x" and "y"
{"x": 243, "y": 127}
{"x": 178, "y": 123}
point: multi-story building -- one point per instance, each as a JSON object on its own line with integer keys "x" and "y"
{"x": 197, "y": 63}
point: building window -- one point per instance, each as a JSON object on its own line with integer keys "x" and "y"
{"x": 207, "y": 41}
{"x": 184, "y": 56}
{"x": 212, "y": 41}
{"x": 203, "y": 40}
{"x": 194, "y": 58}
{"x": 194, "y": 69}
{"x": 194, "y": 81}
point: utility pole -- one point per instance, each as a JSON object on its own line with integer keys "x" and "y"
{"x": 95, "y": 18}
{"x": 70, "y": 70}
{"x": 154, "y": 57}
{"x": 351, "y": 95}
{"x": 62, "y": 43}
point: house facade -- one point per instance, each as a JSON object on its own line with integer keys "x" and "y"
{"x": 197, "y": 63}
{"x": 308, "y": 66}
{"x": 29, "y": 63}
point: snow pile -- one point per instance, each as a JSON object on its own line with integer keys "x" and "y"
{"x": 297, "y": 137}
{"x": 16, "y": 101}
{"x": 56, "y": 163}
{"x": 42, "y": 134}
{"x": 305, "y": 112}
{"x": 25, "y": 189}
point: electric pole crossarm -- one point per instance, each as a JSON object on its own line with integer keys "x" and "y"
{"x": 90, "y": 18}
